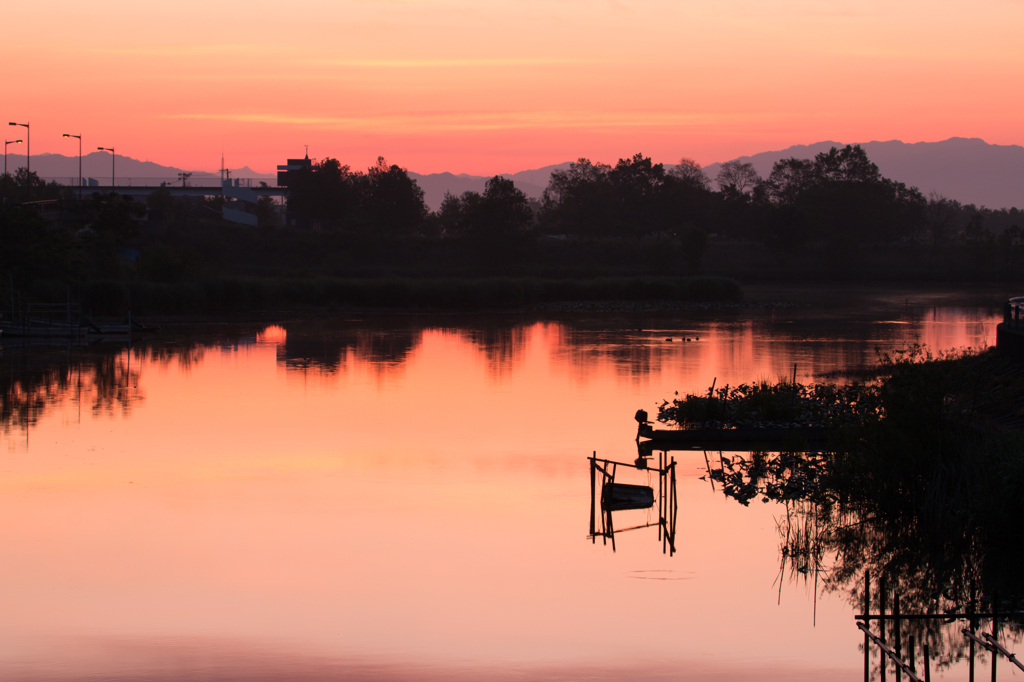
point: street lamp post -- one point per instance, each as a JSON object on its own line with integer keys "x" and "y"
{"x": 79, "y": 162}
{"x": 28, "y": 156}
{"x": 7, "y": 142}
{"x": 112, "y": 165}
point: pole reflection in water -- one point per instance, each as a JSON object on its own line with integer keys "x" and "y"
{"x": 608, "y": 495}
{"x": 929, "y": 612}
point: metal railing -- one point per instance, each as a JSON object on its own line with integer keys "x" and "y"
{"x": 194, "y": 181}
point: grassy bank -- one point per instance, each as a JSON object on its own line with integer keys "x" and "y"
{"x": 237, "y": 294}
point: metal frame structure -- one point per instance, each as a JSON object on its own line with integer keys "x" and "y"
{"x": 601, "y": 506}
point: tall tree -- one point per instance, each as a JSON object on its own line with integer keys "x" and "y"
{"x": 788, "y": 180}
{"x": 739, "y": 177}
{"x": 324, "y": 195}
{"x": 637, "y": 182}
{"x": 690, "y": 172}
{"x": 578, "y": 200}
{"x": 506, "y": 210}
{"x": 392, "y": 200}
{"x": 849, "y": 164}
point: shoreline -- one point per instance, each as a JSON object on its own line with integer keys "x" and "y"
{"x": 814, "y": 300}
{"x": 550, "y": 299}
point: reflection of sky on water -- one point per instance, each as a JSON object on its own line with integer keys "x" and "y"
{"x": 406, "y": 499}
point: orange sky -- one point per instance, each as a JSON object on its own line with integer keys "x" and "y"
{"x": 505, "y": 85}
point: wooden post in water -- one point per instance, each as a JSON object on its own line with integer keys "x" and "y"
{"x": 708, "y": 464}
{"x": 897, "y": 634}
{"x": 867, "y": 611}
{"x": 792, "y": 398}
{"x": 660, "y": 496}
{"x": 995, "y": 630}
{"x": 674, "y": 504}
{"x": 707, "y": 408}
{"x": 881, "y": 622}
{"x": 971, "y": 611}
{"x": 593, "y": 471}
{"x": 927, "y": 664}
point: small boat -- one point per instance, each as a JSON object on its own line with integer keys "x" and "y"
{"x": 619, "y": 496}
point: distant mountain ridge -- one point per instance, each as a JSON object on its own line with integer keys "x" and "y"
{"x": 97, "y": 165}
{"x": 435, "y": 185}
{"x": 966, "y": 169}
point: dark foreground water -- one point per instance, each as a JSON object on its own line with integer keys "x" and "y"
{"x": 407, "y": 498}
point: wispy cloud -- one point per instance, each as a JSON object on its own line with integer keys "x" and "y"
{"x": 458, "y": 121}
{"x": 444, "y": 63}
{"x": 276, "y": 55}
{"x": 174, "y": 50}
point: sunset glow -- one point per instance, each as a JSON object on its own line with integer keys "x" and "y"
{"x": 438, "y": 85}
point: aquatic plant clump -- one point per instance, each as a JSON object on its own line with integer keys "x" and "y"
{"x": 781, "y": 478}
{"x": 772, "y": 405}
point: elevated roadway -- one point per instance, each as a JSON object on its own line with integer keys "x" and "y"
{"x": 179, "y": 191}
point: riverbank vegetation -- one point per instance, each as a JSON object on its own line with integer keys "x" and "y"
{"x": 921, "y": 484}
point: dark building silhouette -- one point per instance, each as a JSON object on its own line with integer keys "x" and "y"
{"x": 293, "y": 165}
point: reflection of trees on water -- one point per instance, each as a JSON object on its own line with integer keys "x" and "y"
{"x": 35, "y": 380}
{"x": 386, "y": 349}
{"x": 502, "y": 344}
{"x": 328, "y": 350}
{"x": 104, "y": 378}
{"x": 631, "y": 350}
{"x": 832, "y": 533}
{"x": 186, "y": 356}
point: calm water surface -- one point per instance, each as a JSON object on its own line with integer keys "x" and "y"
{"x": 407, "y": 499}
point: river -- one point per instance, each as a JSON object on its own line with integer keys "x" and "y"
{"x": 406, "y": 497}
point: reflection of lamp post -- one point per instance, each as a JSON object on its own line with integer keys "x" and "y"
{"x": 79, "y": 162}
{"x": 28, "y": 156}
{"x": 112, "y": 156}
{"x": 7, "y": 142}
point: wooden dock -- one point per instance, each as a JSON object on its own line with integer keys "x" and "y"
{"x": 798, "y": 439}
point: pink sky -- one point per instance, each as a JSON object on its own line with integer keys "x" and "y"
{"x": 505, "y": 85}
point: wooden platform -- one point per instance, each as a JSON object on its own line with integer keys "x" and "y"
{"x": 800, "y": 439}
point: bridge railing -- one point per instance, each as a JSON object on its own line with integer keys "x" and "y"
{"x": 194, "y": 181}
{"x": 1013, "y": 311}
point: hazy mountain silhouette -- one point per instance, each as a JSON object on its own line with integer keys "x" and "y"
{"x": 434, "y": 185}
{"x": 96, "y": 165}
{"x": 968, "y": 170}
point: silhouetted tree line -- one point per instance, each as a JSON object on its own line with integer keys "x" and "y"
{"x": 384, "y": 199}
{"x": 838, "y": 198}
{"x": 85, "y": 242}
{"x": 25, "y": 186}
{"x": 812, "y": 217}
{"x": 840, "y": 195}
